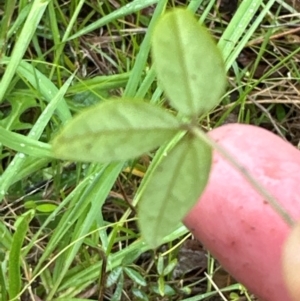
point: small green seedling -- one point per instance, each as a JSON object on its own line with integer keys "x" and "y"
{"x": 190, "y": 69}
{"x": 117, "y": 276}
{"x": 164, "y": 271}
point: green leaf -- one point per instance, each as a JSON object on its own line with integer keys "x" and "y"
{"x": 24, "y": 144}
{"x": 170, "y": 267}
{"x": 6, "y": 237}
{"x": 115, "y": 130}
{"x": 161, "y": 285}
{"x": 19, "y": 104}
{"x": 168, "y": 290}
{"x": 114, "y": 276}
{"x": 173, "y": 189}
{"x": 3, "y": 285}
{"x": 46, "y": 208}
{"x": 188, "y": 63}
{"x": 135, "y": 276}
{"x": 119, "y": 289}
{"x": 14, "y": 276}
{"x": 160, "y": 265}
{"x": 21, "y": 46}
{"x": 139, "y": 294}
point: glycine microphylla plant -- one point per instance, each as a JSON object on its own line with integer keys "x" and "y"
{"x": 190, "y": 70}
{"x": 188, "y": 64}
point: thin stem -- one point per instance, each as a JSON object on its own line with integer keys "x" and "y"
{"x": 245, "y": 173}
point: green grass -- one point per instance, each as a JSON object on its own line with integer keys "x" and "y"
{"x": 58, "y": 58}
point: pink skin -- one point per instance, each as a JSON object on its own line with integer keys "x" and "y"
{"x": 234, "y": 222}
{"x": 291, "y": 262}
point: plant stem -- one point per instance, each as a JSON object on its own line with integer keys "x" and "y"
{"x": 245, "y": 173}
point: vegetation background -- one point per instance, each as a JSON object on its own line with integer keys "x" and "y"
{"x": 68, "y": 230}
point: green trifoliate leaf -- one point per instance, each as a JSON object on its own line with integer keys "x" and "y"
{"x": 188, "y": 63}
{"x": 173, "y": 189}
{"x": 115, "y": 130}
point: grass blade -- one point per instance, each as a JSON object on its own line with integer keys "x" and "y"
{"x": 143, "y": 54}
{"x": 5, "y": 23}
{"x": 96, "y": 196}
{"x": 19, "y": 160}
{"x": 41, "y": 83}
{"x": 131, "y": 7}
{"x": 33, "y": 19}
{"x": 24, "y": 144}
{"x": 14, "y": 274}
